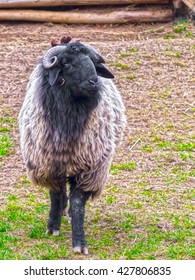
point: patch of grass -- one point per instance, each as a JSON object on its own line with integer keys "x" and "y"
{"x": 188, "y": 147}
{"x": 130, "y": 76}
{"x": 180, "y": 28}
{"x": 102, "y": 243}
{"x": 4, "y": 227}
{"x": 4, "y": 129}
{"x": 178, "y": 252}
{"x": 138, "y": 62}
{"x": 151, "y": 245}
{"x": 147, "y": 148}
{"x": 117, "y": 168}
{"x": 7, "y": 251}
{"x": 111, "y": 199}
{"x": 122, "y": 55}
{"x": 37, "y": 230}
{"x": 120, "y": 65}
{"x": 164, "y": 144}
{"x": 27, "y": 221}
{"x": 6, "y": 142}
{"x": 7, "y": 122}
{"x": 134, "y": 49}
{"x": 45, "y": 251}
{"x": 12, "y": 197}
{"x": 166, "y": 95}
{"x": 6, "y": 145}
{"x": 135, "y": 205}
{"x": 174, "y": 54}
{"x": 23, "y": 181}
{"x": 127, "y": 223}
{"x": 157, "y": 73}
{"x": 181, "y": 64}
{"x": 23, "y": 225}
{"x": 181, "y": 146}
{"x": 189, "y": 34}
{"x": 169, "y": 36}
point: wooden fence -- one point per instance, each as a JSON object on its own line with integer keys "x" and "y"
{"x": 91, "y": 11}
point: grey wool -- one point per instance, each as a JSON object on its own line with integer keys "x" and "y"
{"x": 71, "y": 121}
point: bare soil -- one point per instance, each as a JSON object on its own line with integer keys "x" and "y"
{"x": 160, "y": 70}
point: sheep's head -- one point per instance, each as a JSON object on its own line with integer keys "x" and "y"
{"x": 76, "y": 66}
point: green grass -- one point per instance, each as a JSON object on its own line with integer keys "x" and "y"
{"x": 5, "y": 145}
{"x": 180, "y": 28}
{"x": 122, "y": 66}
{"x": 117, "y": 168}
{"x": 22, "y": 230}
{"x": 7, "y": 126}
{"x": 169, "y": 36}
{"x": 135, "y": 230}
{"x": 131, "y": 76}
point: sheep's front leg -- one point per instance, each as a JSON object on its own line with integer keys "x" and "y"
{"x": 78, "y": 200}
{"x": 58, "y": 204}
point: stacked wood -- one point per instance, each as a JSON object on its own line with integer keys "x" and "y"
{"x": 151, "y": 15}
{"x": 128, "y": 11}
{"x": 177, "y": 4}
{"x": 190, "y": 4}
{"x": 50, "y": 3}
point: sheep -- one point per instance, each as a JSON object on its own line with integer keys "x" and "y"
{"x": 71, "y": 121}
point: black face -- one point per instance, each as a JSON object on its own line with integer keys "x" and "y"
{"x": 79, "y": 73}
{"x": 76, "y": 71}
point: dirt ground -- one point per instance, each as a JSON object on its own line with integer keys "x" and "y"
{"x": 22, "y": 44}
{"x": 155, "y": 73}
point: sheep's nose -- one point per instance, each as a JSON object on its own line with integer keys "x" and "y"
{"x": 93, "y": 81}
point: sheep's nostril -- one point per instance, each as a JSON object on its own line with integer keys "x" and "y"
{"x": 93, "y": 81}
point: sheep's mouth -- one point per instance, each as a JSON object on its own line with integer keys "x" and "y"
{"x": 89, "y": 87}
{"x": 86, "y": 92}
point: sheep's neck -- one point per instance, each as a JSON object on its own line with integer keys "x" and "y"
{"x": 68, "y": 115}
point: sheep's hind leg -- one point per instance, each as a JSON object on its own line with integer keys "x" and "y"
{"x": 58, "y": 204}
{"x": 78, "y": 200}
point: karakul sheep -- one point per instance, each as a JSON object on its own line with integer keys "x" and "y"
{"x": 70, "y": 123}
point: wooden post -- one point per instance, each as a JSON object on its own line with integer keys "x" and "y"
{"x": 177, "y": 4}
{"x": 190, "y": 4}
{"x": 151, "y": 15}
{"x": 49, "y": 3}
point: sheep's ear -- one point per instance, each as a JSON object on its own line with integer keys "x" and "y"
{"x": 103, "y": 71}
{"x": 53, "y": 75}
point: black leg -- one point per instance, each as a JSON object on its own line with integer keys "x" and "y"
{"x": 78, "y": 200}
{"x": 58, "y": 204}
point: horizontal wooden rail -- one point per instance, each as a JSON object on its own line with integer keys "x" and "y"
{"x": 149, "y": 15}
{"x": 190, "y": 4}
{"x": 49, "y": 3}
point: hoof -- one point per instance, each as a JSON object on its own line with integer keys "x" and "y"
{"x": 85, "y": 251}
{"x": 50, "y": 231}
{"x": 79, "y": 250}
{"x": 55, "y": 232}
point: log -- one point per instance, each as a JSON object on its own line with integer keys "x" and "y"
{"x": 152, "y": 15}
{"x": 177, "y": 4}
{"x": 190, "y": 4}
{"x": 49, "y": 3}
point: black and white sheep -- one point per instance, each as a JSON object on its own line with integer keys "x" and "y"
{"x": 70, "y": 123}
